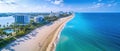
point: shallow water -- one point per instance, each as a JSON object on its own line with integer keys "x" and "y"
{"x": 91, "y": 32}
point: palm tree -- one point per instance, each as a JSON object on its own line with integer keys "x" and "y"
{"x": 4, "y": 26}
{"x": 0, "y": 25}
{"x": 7, "y": 24}
{"x": 1, "y": 32}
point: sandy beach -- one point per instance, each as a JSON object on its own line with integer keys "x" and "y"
{"x": 40, "y": 39}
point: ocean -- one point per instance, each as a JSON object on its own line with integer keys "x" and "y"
{"x": 91, "y": 32}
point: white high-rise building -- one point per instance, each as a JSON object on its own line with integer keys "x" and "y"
{"x": 38, "y": 19}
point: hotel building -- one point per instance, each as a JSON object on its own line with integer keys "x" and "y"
{"x": 38, "y": 19}
{"x": 22, "y": 19}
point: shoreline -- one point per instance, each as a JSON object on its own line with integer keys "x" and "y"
{"x": 41, "y": 38}
{"x": 57, "y": 36}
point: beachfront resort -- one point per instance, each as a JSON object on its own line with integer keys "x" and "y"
{"x": 24, "y": 23}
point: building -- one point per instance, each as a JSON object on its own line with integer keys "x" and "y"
{"x": 61, "y": 12}
{"x": 57, "y": 14}
{"x": 38, "y": 19}
{"x": 22, "y": 19}
{"x": 51, "y": 14}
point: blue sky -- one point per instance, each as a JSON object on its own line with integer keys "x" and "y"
{"x": 59, "y": 5}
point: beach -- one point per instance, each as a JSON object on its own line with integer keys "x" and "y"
{"x": 40, "y": 39}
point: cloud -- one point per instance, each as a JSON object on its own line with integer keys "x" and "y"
{"x": 8, "y": 2}
{"x": 98, "y": 5}
{"x": 56, "y": 2}
{"x": 99, "y": 0}
{"x": 109, "y": 5}
{"x": 16, "y": 6}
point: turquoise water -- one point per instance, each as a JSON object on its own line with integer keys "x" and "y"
{"x": 5, "y": 20}
{"x": 91, "y": 32}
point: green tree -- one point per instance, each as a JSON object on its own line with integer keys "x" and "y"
{"x": 7, "y": 24}
{"x": 4, "y": 26}
{"x": 0, "y": 25}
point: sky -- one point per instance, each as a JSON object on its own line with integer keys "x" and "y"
{"x": 59, "y": 5}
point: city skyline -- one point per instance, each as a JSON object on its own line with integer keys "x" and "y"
{"x": 59, "y": 5}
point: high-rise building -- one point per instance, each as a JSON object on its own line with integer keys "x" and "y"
{"x": 57, "y": 14}
{"x": 22, "y": 19}
{"x": 38, "y": 19}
